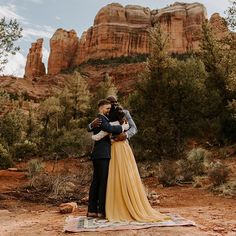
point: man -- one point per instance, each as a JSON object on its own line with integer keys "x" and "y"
{"x": 132, "y": 127}
{"x": 100, "y": 156}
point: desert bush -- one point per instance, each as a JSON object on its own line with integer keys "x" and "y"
{"x": 218, "y": 173}
{"x": 12, "y": 126}
{"x": 5, "y": 101}
{"x": 33, "y": 125}
{"x": 49, "y": 112}
{"x": 54, "y": 188}
{"x": 193, "y": 164}
{"x": 223, "y": 153}
{"x": 5, "y": 158}
{"x": 75, "y": 142}
{"x": 226, "y": 189}
{"x": 24, "y": 149}
{"x": 168, "y": 172}
{"x": 147, "y": 169}
{"x": 201, "y": 182}
{"x": 34, "y": 167}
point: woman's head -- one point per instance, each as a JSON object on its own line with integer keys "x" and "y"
{"x": 117, "y": 114}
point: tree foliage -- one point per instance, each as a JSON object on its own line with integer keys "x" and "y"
{"x": 105, "y": 88}
{"x": 10, "y": 32}
{"x": 167, "y": 102}
{"x": 219, "y": 58}
{"x": 231, "y": 15}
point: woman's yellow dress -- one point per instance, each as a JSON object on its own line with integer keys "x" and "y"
{"x": 126, "y": 199}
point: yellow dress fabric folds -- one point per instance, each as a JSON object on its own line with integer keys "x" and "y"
{"x": 126, "y": 199}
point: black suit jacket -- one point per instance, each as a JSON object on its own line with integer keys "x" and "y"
{"x": 102, "y": 148}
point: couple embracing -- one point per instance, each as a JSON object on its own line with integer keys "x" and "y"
{"x": 116, "y": 192}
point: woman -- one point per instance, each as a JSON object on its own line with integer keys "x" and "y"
{"x": 126, "y": 199}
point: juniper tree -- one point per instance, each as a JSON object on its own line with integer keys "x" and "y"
{"x": 219, "y": 58}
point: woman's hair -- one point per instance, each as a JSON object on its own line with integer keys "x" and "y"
{"x": 116, "y": 114}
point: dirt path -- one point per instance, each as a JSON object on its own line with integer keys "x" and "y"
{"x": 213, "y": 215}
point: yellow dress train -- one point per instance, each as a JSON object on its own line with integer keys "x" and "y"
{"x": 126, "y": 199}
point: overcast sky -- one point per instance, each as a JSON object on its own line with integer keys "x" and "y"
{"x": 41, "y": 18}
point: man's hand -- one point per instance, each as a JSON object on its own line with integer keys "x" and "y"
{"x": 96, "y": 123}
{"x": 121, "y": 137}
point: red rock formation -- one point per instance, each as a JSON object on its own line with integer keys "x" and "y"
{"x": 34, "y": 65}
{"x": 123, "y": 31}
{"x": 182, "y": 22}
{"x": 219, "y": 25}
{"x": 63, "y": 45}
{"x": 117, "y": 31}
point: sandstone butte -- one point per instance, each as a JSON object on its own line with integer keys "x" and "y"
{"x": 34, "y": 65}
{"x": 122, "y": 31}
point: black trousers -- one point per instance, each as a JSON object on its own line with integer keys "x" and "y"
{"x": 97, "y": 192}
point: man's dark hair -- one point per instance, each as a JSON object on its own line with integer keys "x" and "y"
{"x": 103, "y": 102}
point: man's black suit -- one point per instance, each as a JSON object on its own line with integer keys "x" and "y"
{"x": 100, "y": 156}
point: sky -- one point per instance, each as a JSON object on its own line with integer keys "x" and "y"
{"x": 41, "y": 18}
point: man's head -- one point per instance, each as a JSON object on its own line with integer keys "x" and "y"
{"x": 113, "y": 101}
{"x": 104, "y": 106}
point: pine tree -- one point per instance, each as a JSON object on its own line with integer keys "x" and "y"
{"x": 219, "y": 58}
{"x": 79, "y": 95}
{"x": 104, "y": 89}
{"x": 157, "y": 134}
{"x": 167, "y": 105}
{"x": 74, "y": 99}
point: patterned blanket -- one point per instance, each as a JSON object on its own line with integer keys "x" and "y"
{"x": 84, "y": 224}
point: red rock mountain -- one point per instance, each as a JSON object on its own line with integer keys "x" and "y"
{"x": 63, "y": 45}
{"x": 34, "y": 65}
{"x": 121, "y": 31}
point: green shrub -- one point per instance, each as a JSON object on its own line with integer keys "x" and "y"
{"x": 168, "y": 172}
{"x": 193, "y": 164}
{"x": 218, "y": 173}
{"x": 118, "y": 60}
{"x": 34, "y": 167}
{"x": 12, "y": 126}
{"x": 226, "y": 189}
{"x": 75, "y": 142}
{"x": 25, "y": 149}
{"x": 5, "y": 158}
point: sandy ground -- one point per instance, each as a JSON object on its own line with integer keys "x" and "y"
{"x": 213, "y": 215}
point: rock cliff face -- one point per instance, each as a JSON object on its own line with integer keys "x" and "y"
{"x": 182, "y": 22}
{"x": 219, "y": 25}
{"x": 34, "y": 65}
{"x": 123, "y": 31}
{"x": 117, "y": 31}
{"x": 63, "y": 46}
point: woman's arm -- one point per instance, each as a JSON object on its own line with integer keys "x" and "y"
{"x": 99, "y": 136}
{"x": 102, "y": 133}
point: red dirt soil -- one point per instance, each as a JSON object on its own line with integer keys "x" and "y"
{"x": 213, "y": 215}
